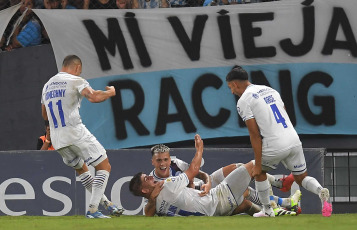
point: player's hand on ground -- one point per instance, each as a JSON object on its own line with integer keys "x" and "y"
{"x": 205, "y": 189}
{"x": 198, "y": 143}
{"x": 158, "y": 187}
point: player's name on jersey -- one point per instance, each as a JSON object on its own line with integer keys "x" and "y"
{"x": 55, "y": 93}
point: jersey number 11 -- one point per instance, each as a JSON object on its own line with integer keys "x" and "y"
{"x": 60, "y": 111}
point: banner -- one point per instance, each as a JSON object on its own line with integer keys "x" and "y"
{"x": 169, "y": 66}
{"x": 5, "y": 17}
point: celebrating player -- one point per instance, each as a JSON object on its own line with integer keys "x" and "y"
{"x": 168, "y": 166}
{"x": 273, "y": 138}
{"x": 173, "y": 197}
{"x": 61, "y": 99}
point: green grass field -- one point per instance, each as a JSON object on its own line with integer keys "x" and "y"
{"x": 301, "y": 222}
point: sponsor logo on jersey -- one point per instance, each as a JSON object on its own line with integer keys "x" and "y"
{"x": 171, "y": 179}
{"x": 269, "y": 99}
{"x": 88, "y": 159}
{"x": 299, "y": 166}
{"x": 256, "y": 96}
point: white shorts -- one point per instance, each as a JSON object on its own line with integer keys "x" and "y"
{"x": 293, "y": 159}
{"x": 230, "y": 191}
{"x": 88, "y": 151}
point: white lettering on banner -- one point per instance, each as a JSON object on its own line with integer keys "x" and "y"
{"x": 28, "y": 195}
{"x": 115, "y": 195}
{"x": 67, "y": 202}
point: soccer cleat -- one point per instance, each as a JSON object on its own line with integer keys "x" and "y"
{"x": 295, "y": 202}
{"x": 326, "y": 206}
{"x": 283, "y": 212}
{"x": 115, "y": 210}
{"x": 286, "y": 183}
{"x": 263, "y": 214}
{"x": 96, "y": 214}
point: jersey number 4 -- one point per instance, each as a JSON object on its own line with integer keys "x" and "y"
{"x": 277, "y": 115}
{"x": 60, "y": 111}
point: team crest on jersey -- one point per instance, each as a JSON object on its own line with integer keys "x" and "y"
{"x": 256, "y": 96}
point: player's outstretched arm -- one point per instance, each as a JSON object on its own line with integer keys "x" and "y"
{"x": 96, "y": 96}
{"x": 195, "y": 165}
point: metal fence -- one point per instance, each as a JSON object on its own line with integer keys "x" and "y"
{"x": 341, "y": 175}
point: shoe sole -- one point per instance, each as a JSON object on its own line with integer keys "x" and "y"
{"x": 119, "y": 213}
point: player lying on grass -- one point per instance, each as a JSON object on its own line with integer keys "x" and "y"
{"x": 172, "y": 196}
{"x": 167, "y": 166}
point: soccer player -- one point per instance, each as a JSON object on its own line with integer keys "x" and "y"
{"x": 167, "y": 166}
{"x": 273, "y": 138}
{"x": 172, "y": 197}
{"x": 61, "y": 99}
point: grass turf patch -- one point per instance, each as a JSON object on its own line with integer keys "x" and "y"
{"x": 301, "y": 222}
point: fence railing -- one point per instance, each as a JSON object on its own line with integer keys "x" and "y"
{"x": 340, "y": 175}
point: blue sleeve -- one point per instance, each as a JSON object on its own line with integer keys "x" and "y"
{"x": 30, "y": 35}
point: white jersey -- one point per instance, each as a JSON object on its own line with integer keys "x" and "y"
{"x": 175, "y": 199}
{"x": 62, "y": 97}
{"x": 265, "y": 105}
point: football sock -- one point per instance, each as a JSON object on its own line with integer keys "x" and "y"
{"x": 87, "y": 180}
{"x": 217, "y": 177}
{"x": 311, "y": 184}
{"x": 98, "y": 187}
{"x": 274, "y": 182}
{"x": 253, "y": 196}
{"x": 263, "y": 188}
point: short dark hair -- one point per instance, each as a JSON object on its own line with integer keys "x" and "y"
{"x": 71, "y": 59}
{"x": 160, "y": 148}
{"x": 237, "y": 73}
{"x": 135, "y": 184}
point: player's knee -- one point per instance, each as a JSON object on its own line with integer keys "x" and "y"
{"x": 109, "y": 167}
{"x": 103, "y": 165}
{"x": 299, "y": 178}
{"x": 76, "y": 163}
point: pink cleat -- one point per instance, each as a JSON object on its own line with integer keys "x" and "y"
{"x": 287, "y": 182}
{"x": 326, "y": 206}
{"x": 327, "y": 209}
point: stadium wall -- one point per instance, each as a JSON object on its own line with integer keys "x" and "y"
{"x": 38, "y": 183}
